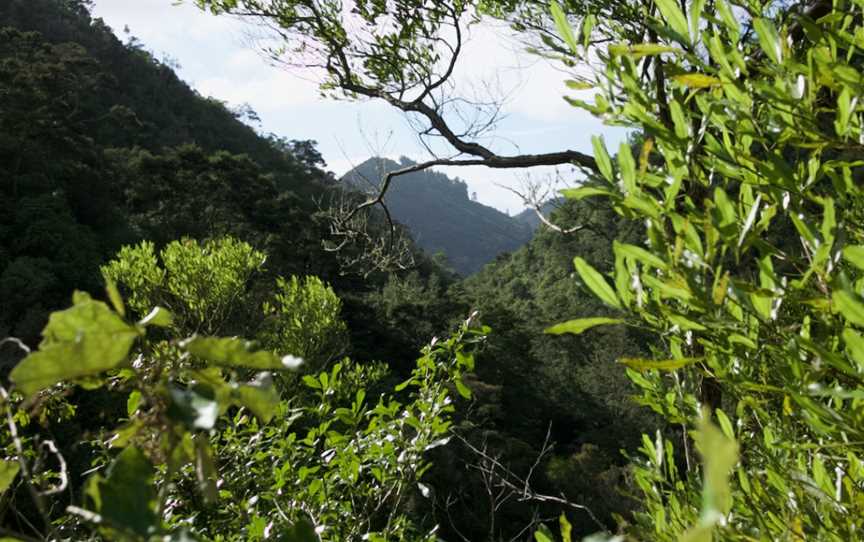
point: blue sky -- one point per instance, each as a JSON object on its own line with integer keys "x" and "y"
{"x": 217, "y": 59}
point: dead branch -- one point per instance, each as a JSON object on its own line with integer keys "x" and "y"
{"x": 519, "y": 487}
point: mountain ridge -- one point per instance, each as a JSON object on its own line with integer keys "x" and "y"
{"x": 441, "y": 216}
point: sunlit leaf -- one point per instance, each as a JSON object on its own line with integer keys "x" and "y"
{"x": 719, "y": 455}
{"x": 849, "y": 305}
{"x": 86, "y": 339}
{"x": 854, "y": 254}
{"x": 563, "y": 27}
{"x": 115, "y": 298}
{"x": 133, "y": 402}
{"x": 641, "y": 364}
{"x": 260, "y": 396}
{"x": 674, "y": 17}
{"x": 585, "y": 192}
{"x": 697, "y": 80}
{"x": 639, "y": 254}
{"x": 578, "y": 326}
{"x": 604, "y": 163}
{"x": 768, "y": 38}
{"x": 234, "y": 352}
{"x": 596, "y": 283}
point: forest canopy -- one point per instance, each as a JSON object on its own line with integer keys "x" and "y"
{"x": 686, "y": 365}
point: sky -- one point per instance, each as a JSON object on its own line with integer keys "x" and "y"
{"x": 215, "y": 57}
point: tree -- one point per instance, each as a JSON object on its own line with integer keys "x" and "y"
{"x": 324, "y": 460}
{"x": 749, "y": 271}
{"x": 403, "y": 53}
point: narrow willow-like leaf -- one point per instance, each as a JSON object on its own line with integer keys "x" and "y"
{"x": 674, "y": 17}
{"x": 604, "y": 163}
{"x": 563, "y": 27}
{"x": 585, "y": 192}
{"x": 697, "y": 7}
{"x": 697, "y": 80}
{"x": 854, "y": 346}
{"x": 580, "y": 325}
{"x": 627, "y": 166}
{"x": 855, "y": 255}
{"x": 849, "y": 305}
{"x": 719, "y": 456}
{"x": 115, "y": 297}
{"x": 578, "y": 85}
{"x": 638, "y": 254}
{"x": 642, "y": 364}
{"x": 596, "y": 283}
{"x": 768, "y": 38}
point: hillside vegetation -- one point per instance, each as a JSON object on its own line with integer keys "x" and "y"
{"x": 441, "y": 216}
{"x": 194, "y": 347}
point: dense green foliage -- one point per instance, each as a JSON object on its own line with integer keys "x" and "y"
{"x": 749, "y": 272}
{"x": 223, "y": 391}
{"x": 176, "y": 467}
{"x": 441, "y": 216}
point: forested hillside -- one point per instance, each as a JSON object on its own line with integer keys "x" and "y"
{"x": 101, "y": 145}
{"x": 441, "y": 216}
{"x": 205, "y": 336}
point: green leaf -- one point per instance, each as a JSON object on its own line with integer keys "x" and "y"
{"x": 639, "y": 254}
{"x": 674, "y": 17}
{"x": 563, "y": 27}
{"x": 585, "y": 192}
{"x": 719, "y": 456}
{"x": 578, "y": 85}
{"x": 854, "y": 254}
{"x": 133, "y": 402}
{"x": 596, "y": 283}
{"x": 685, "y": 323}
{"x": 463, "y": 390}
{"x": 768, "y": 39}
{"x": 232, "y": 352}
{"x": 627, "y": 166}
{"x": 641, "y": 364}
{"x": 582, "y": 324}
{"x": 849, "y": 305}
{"x": 259, "y": 396}
{"x": 728, "y": 17}
{"x": 114, "y": 297}
{"x": 697, "y": 80}
{"x": 854, "y": 346}
{"x": 604, "y": 163}
{"x": 84, "y": 340}
{"x": 696, "y": 10}
{"x": 566, "y": 528}
{"x": 640, "y": 50}
{"x": 158, "y": 317}
{"x": 8, "y": 472}
{"x": 126, "y": 497}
